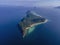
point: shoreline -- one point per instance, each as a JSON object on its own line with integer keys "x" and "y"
{"x": 37, "y": 24}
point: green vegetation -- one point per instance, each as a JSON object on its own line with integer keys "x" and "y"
{"x": 30, "y": 19}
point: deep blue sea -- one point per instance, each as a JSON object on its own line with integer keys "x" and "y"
{"x": 44, "y": 34}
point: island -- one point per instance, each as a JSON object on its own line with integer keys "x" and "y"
{"x": 30, "y": 21}
{"x": 58, "y": 7}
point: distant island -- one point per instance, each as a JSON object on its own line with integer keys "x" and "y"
{"x": 30, "y": 21}
{"x": 57, "y": 7}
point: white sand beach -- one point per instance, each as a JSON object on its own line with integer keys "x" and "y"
{"x": 37, "y": 24}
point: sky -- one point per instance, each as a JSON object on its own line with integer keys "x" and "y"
{"x": 32, "y": 3}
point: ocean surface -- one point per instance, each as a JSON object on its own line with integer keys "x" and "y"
{"x": 44, "y": 34}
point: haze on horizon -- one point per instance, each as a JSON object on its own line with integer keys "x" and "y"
{"x": 31, "y": 3}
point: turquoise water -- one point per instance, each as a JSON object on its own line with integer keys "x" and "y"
{"x": 31, "y": 29}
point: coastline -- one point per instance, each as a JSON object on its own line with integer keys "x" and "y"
{"x": 37, "y": 24}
